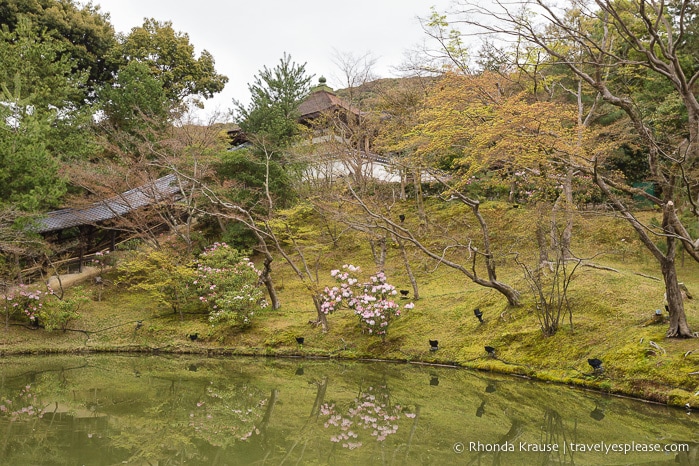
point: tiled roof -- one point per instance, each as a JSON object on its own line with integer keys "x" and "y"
{"x": 322, "y": 101}
{"x": 110, "y": 208}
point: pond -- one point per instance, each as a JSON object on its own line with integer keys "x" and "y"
{"x": 148, "y": 410}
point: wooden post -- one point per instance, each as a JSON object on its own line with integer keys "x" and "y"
{"x": 80, "y": 259}
{"x": 20, "y": 280}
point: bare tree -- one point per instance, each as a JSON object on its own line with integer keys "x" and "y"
{"x": 149, "y": 187}
{"x": 550, "y": 288}
{"x": 646, "y": 36}
{"x": 381, "y": 221}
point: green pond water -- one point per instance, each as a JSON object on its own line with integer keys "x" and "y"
{"x": 171, "y": 410}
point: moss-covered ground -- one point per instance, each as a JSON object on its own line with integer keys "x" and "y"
{"x": 612, "y": 301}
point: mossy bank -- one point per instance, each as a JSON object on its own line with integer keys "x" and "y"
{"x": 613, "y": 299}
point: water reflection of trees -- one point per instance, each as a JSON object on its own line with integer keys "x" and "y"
{"x": 202, "y": 427}
{"x": 553, "y": 432}
{"x": 364, "y": 422}
{"x": 163, "y": 412}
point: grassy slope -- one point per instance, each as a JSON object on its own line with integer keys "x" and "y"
{"x": 611, "y": 313}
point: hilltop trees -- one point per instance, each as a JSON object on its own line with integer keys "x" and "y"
{"x": 63, "y": 69}
{"x": 269, "y": 125}
{"x": 134, "y": 99}
{"x": 40, "y": 117}
{"x": 170, "y": 58}
{"x": 271, "y": 116}
{"x": 157, "y": 79}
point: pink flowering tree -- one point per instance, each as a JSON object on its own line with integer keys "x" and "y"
{"x": 229, "y": 285}
{"x": 29, "y": 305}
{"x": 24, "y": 304}
{"x": 372, "y": 301}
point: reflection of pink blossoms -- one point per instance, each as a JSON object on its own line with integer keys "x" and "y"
{"x": 29, "y": 408}
{"x": 228, "y": 414}
{"x": 370, "y": 412}
{"x": 372, "y": 301}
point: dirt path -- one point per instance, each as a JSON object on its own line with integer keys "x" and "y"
{"x": 70, "y": 279}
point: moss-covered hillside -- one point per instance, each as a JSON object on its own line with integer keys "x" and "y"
{"x": 613, "y": 298}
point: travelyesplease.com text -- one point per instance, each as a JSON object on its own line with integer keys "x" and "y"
{"x": 596, "y": 447}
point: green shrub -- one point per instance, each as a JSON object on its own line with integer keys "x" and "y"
{"x": 56, "y": 314}
{"x": 162, "y": 275}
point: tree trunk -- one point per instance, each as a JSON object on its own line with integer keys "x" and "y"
{"x": 568, "y": 210}
{"x": 379, "y": 253}
{"x": 266, "y": 278}
{"x": 673, "y": 294}
{"x": 322, "y": 318}
{"x": 320, "y": 396}
{"x": 564, "y": 203}
{"x": 271, "y": 403}
{"x": 510, "y": 293}
{"x": 408, "y": 269}
{"x": 403, "y": 175}
{"x": 541, "y": 239}
{"x": 678, "y": 320}
{"x": 419, "y": 200}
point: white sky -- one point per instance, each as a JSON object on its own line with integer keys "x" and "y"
{"x": 246, "y": 35}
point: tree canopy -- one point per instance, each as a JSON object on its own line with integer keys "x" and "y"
{"x": 638, "y": 58}
{"x": 83, "y": 32}
{"x": 63, "y": 70}
{"x": 172, "y": 60}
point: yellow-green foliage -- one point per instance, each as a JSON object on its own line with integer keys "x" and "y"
{"x": 166, "y": 280}
{"x": 57, "y": 313}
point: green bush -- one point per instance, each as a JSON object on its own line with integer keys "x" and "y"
{"x": 56, "y": 314}
{"x": 162, "y": 275}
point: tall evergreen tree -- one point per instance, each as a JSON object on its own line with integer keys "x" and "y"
{"x": 171, "y": 59}
{"x": 274, "y": 98}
